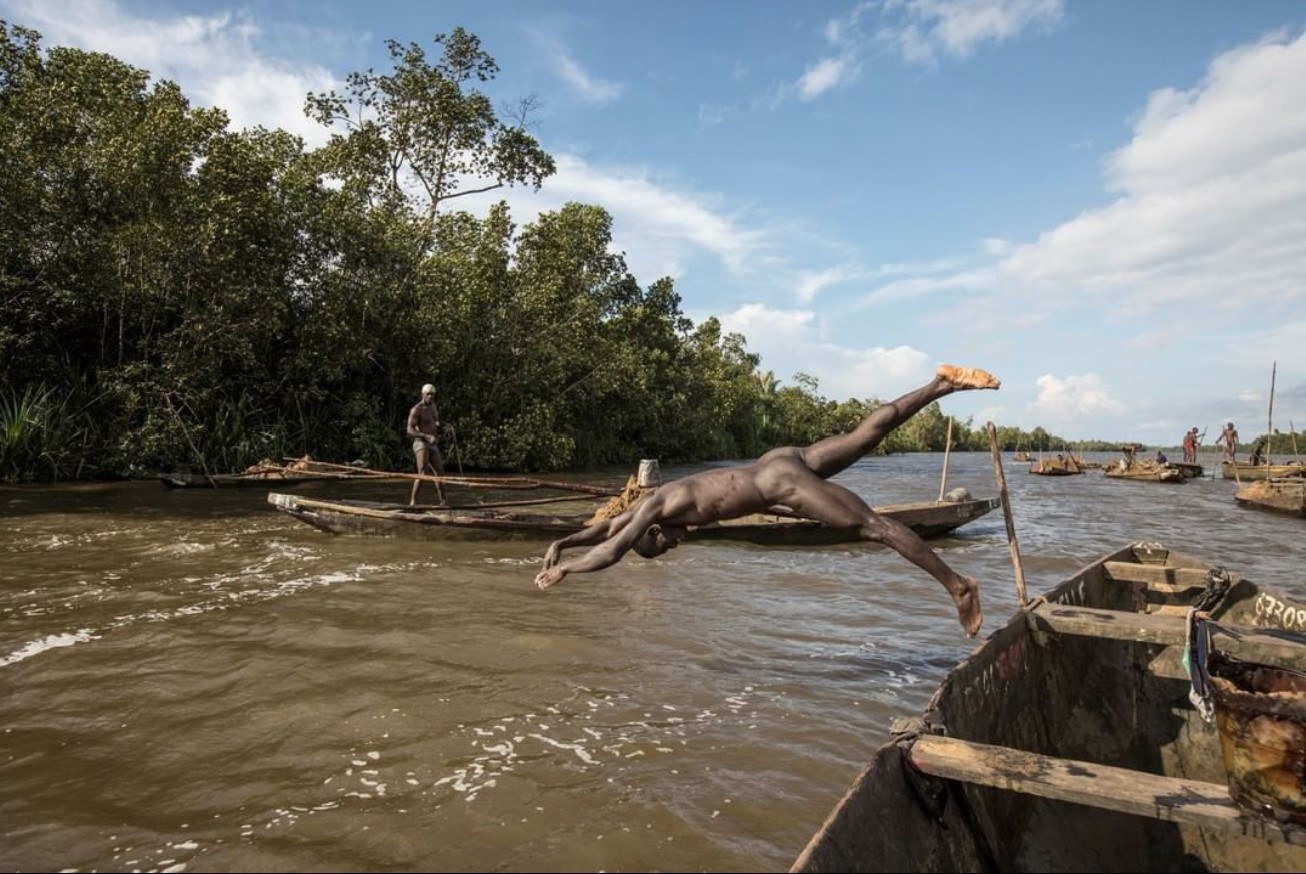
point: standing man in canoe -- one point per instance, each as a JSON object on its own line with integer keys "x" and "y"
{"x": 1190, "y": 445}
{"x": 424, "y": 429}
{"x": 1229, "y": 440}
{"x": 789, "y": 476}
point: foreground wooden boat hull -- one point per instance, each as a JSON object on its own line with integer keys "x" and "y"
{"x": 1067, "y": 742}
{"x": 927, "y": 518}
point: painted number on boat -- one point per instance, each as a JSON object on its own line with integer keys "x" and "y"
{"x": 1285, "y": 615}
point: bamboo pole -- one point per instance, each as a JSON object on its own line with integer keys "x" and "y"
{"x": 1293, "y": 432}
{"x": 947, "y": 448}
{"x": 1269, "y": 423}
{"x": 1006, "y": 514}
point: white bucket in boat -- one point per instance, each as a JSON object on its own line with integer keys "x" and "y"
{"x": 649, "y": 475}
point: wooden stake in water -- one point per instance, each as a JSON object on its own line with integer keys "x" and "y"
{"x": 1269, "y": 422}
{"x": 1006, "y": 514}
{"x": 947, "y": 448}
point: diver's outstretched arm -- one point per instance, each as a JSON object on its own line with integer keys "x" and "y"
{"x": 596, "y": 533}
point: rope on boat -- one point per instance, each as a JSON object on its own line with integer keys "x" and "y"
{"x": 631, "y": 495}
{"x": 1197, "y": 641}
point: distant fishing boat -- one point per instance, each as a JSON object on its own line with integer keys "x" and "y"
{"x": 269, "y": 474}
{"x": 1282, "y": 495}
{"x": 521, "y": 519}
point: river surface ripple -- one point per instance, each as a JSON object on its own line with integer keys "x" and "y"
{"x": 193, "y": 681}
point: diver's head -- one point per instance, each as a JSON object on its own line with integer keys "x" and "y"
{"x": 658, "y": 539}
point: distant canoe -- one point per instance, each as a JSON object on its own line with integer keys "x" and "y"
{"x": 1190, "y": 469}
{"x": 1065, "y": 466}
{"x": 926, "y": 518}
{"x": 270, "y": 474}
{"x": 1145, "y": 471}
{"x": 1243, "y": 470}
{"x": 284, "y": 479}
{"x": 1281, "y": 495}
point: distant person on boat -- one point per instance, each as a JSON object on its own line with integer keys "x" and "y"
{"x": 1160, "y": 457}
{"x": 1258, "y": 451}
{"x": 1129, "y": 450}
{"x": 1229, "y": 440}
{"x": 788, "y": 476}
{"x": 1190, "y": 445}
{"x": 424, "y": 429}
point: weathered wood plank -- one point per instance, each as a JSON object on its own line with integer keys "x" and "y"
{"x": 1194, "y": 802}
{"x": 1158, "y": 577}
{"x": 1263, "y": 645}
{"x": 1110, "y": 624}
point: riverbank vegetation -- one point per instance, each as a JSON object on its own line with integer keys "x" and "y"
{"x": 178, "y": 295}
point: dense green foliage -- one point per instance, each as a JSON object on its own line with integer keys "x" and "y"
{"x": 177, "y": 295}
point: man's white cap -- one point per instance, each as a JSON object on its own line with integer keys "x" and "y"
{"x": 428, "y": 389}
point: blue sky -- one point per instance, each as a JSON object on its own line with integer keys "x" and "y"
{"x": 1103, "y": 203}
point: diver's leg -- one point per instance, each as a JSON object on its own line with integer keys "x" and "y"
{"x": 830, "y": 455}
{"x": 835, "y": 505}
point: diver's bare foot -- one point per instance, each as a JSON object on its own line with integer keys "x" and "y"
{"x": 968, "y": 607}
{"x": 968, "y": 377}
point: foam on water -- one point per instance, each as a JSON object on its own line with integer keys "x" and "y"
{"x": 54, "y": 641}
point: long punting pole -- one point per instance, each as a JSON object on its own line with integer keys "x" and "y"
{"x": 947, "y": 448}
{"x": 1293, "y": 432}
{"x": 1269, "y": 422}
{"x": 1006, "y": 514}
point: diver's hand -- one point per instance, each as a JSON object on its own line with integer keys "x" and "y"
{"x": 551, "y": 555}
{"x": 547, "y": 578}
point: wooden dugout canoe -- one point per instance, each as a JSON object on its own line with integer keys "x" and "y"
{"x": 269, "y": 474}
{"x": 285, "y": 479}
{"x": 1068, "y": 740}
{"x": 1068, "y": 465}
{"x": 1145, "y": 471}
{"x": 1242, "y": 470}
{"x": 926, "y": 518}
{"x": 1282, "y": 495}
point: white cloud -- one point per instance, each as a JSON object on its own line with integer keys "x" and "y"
{"x": 654, "y": 212}
{"x": 825, "y": 74}
{"x": 811, "y": 283}
{"x": 791, "y": 341}
{"x": 1222, "y": 127}
{"x": 918, "y": 31}
{"x": 1283, "y": 344}
{"x": 1212, "y": 209}
{"x": 921, "y": 30}
{"x": 997, "y": 246}
{"x": 589, "y": 87}
{"x": 928, "y": 280}
{"x": 1071, "y": 401}
{"x": 215, "y": 59}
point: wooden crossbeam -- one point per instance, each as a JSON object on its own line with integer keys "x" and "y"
{"x": 1173, "y": 580}
{"x": 1173, "y": 799}
{"x": 1263, "y": 645}
{"x": 1110, "y": 624}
